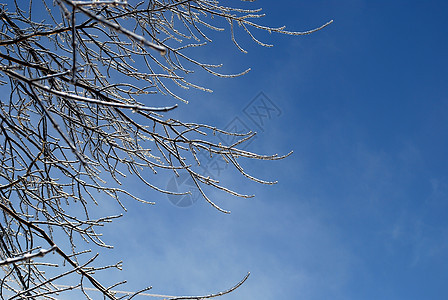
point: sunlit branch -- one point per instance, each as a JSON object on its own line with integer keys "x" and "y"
{"x": 84, "y": 88}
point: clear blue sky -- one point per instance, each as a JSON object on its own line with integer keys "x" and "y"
{"x": 360, "y": 210}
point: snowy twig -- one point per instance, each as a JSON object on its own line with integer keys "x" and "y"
{"x": 27, "y": 256}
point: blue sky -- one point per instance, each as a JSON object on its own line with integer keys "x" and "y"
{"x": 359, "y": 211}
{"x": 360, "y": 208}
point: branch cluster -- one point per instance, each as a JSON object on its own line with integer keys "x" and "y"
{"x": 77, "y": 116}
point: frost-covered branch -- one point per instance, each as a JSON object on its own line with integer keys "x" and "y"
{"x": 79, "y": 116}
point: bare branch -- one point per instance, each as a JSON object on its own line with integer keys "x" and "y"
{"x": 81, "y": 118}
{"x": 28, "y": 256}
